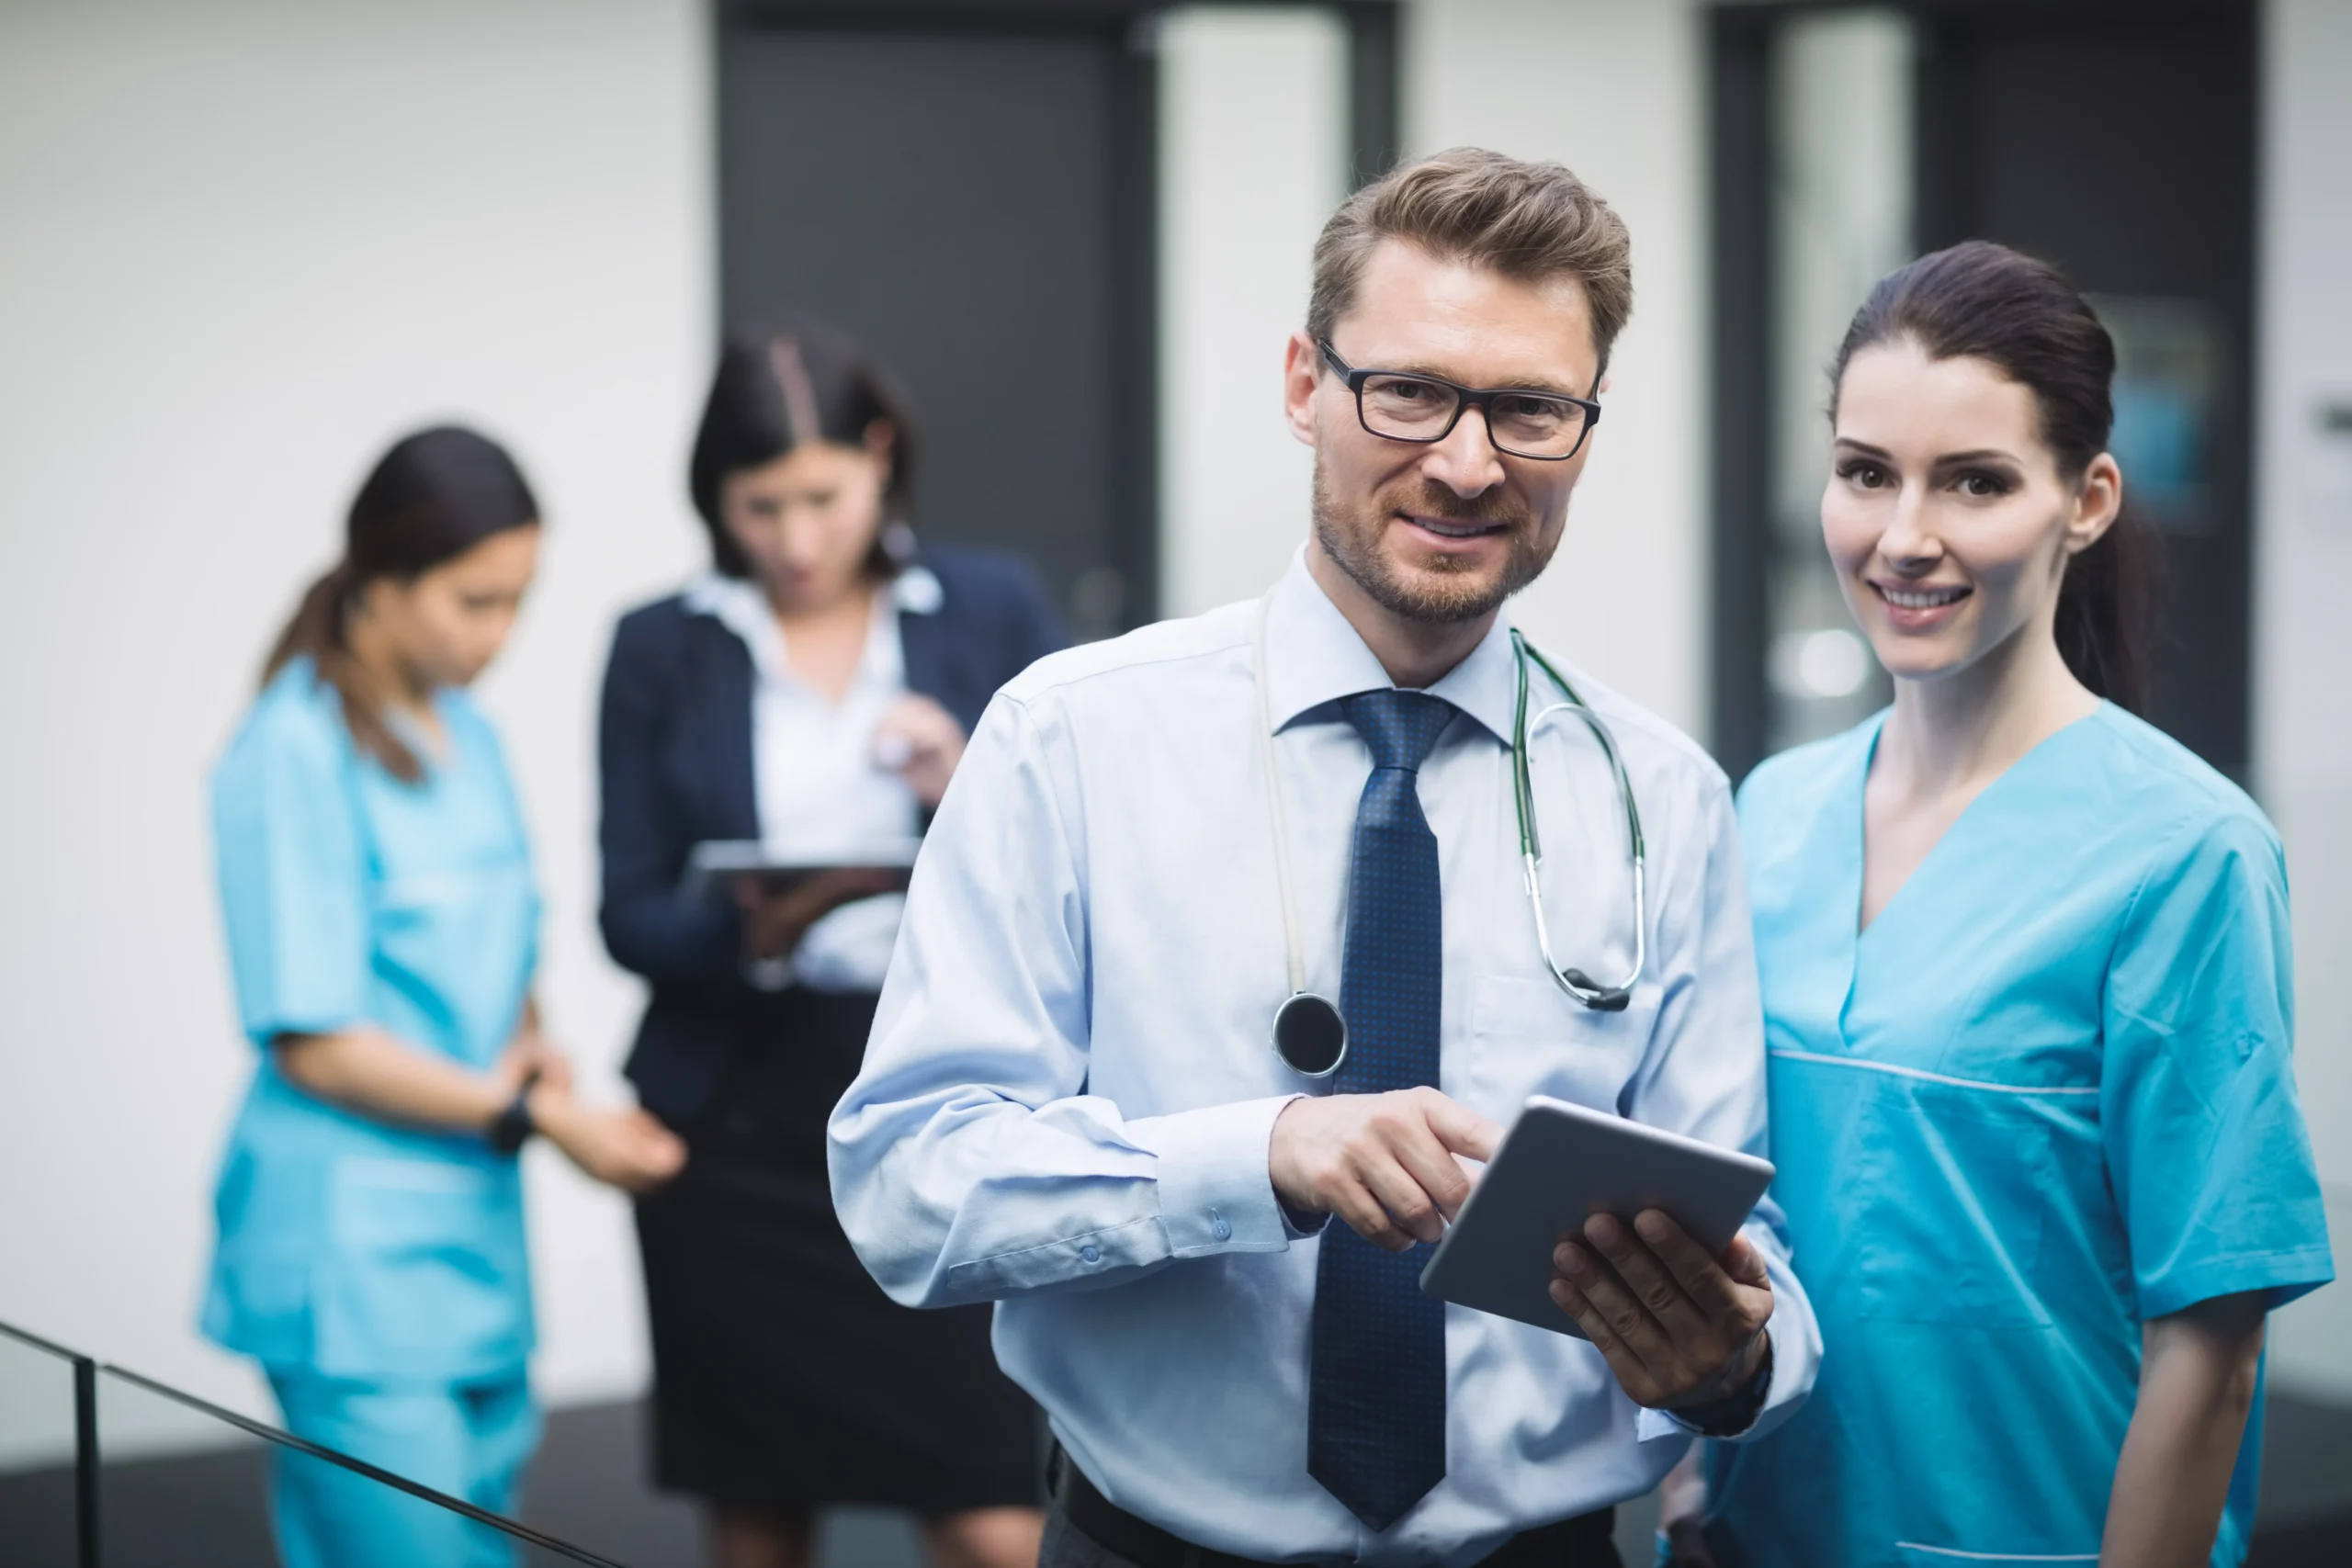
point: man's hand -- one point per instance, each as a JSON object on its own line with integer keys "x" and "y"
{"x": 1385, "y": 1163}
{"x": 1677, "y": 1327}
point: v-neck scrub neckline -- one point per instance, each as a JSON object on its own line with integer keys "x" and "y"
{"x": 2045, "y": 1096}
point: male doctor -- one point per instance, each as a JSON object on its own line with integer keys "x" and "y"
{"x": 1207, "y": 1260}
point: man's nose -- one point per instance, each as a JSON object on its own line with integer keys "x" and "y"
{"x": 1466, "y": 461}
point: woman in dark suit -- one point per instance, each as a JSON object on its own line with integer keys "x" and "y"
{"x": 814, "y": 689}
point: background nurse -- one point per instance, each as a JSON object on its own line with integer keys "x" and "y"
{"x": 382, "y": 927}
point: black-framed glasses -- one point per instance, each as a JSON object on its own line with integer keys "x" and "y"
{"x": 1400, "y": 406}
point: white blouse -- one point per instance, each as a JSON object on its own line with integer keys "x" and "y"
{"x": 818, "y": 787}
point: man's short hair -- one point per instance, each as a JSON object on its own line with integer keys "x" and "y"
{"x": 1530, "y": 221}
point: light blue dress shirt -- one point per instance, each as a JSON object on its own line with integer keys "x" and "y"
{"x": 352, "y": 1248}
{"x": 1068, "y": 1099}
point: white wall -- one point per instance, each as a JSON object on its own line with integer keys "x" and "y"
{"x": 2302, "y": 711}
{"x": 1614, "y": 91}
{"x": 246, "y": 244}
{"x": 1253, "y": 124}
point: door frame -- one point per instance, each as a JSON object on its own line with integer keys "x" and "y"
{"x": 1374, "y": 136}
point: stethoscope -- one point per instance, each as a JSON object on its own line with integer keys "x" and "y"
{"x": 1310, "y": 1034}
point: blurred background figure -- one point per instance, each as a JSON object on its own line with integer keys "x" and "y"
{"x": 383, "y": 926}
{"x": 812, "y": 690}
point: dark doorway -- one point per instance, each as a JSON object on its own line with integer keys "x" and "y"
{"x": 2120, "y": 142}
{"x": 973, "y": 201}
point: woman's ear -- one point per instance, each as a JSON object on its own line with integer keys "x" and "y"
{"x": 2099, "y": 500}
{"x": 881, "y": 444}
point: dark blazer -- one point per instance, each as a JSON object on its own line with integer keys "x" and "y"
{"x": 674, "y": 750}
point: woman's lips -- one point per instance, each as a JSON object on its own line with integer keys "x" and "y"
{"x": 1916, "y": 606}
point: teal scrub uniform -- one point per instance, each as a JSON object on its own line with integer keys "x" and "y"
{"x": 377, "y": 1271}
{"x": 2045, "y": 1097}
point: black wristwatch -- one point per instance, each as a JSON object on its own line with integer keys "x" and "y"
{"x": 513, "y": 1127}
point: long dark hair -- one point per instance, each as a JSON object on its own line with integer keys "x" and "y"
{"x": 433, "y": 497}
{"x": 778, "y": 387}
{"x": 2018, "y": 313}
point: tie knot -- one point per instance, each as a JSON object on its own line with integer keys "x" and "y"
{"x": 1398, "y": 726}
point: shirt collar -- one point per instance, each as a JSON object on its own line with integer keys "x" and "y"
{"x": 738, "y": 602}
{"x": 1314, "y": 657}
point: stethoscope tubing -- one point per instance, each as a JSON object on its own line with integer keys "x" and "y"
{"x": 1303, "y": 1011}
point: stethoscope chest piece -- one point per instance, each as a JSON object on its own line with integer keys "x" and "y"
{"x": 1310, "y": 1035}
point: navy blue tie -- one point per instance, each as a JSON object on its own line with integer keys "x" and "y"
{"x": 1375, "y": 1420}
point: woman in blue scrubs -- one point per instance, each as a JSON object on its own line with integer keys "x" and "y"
{"x": 2027, "y": 983}
{"x": 382, "y": 923}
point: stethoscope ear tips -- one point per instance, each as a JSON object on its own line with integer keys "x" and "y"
{"x": 1310, "y": 1036}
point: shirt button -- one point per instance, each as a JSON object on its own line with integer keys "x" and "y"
{"x": 1091, "y": 1253}
{"x": 1219, "y": 1226}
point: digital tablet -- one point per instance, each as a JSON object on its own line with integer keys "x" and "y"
{"x": 1561, "y": 1163}
{"x": 713, "y": 865}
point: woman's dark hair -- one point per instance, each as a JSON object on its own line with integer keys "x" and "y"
{"x": 2017, "y": 312}
{"x": 433, "y": 497}
{"x": 776, "y": 389}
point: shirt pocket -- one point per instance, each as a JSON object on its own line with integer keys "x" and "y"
{"x": 1528, "y": 1036}
{"x": 426, "y": 1271}
{"x": 1946, "y": 1199}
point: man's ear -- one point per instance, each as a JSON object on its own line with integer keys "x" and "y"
{"x": 1302, "y": 370}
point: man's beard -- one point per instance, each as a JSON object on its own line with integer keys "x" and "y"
{"x": 1459, "y": 594}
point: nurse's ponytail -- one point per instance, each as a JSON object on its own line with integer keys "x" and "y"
{"x": 433, "y": 497}
{"x": 1980, "y": 300}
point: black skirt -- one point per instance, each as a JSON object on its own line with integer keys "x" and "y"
{"x": 783, "y": 1376}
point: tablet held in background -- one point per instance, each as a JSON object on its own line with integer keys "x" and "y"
{"x": 713, "y": 865}
{"x": 1559, "y": 1165}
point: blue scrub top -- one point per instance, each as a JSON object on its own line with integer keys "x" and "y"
{"x": 351, "y": 1248}
{"x": 2046, "y": 1096}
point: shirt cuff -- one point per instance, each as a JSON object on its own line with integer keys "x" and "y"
{"x": 768, "y": 974}
{"x": 1686, "y": 1423}
{"x": 1215, "y": 1194}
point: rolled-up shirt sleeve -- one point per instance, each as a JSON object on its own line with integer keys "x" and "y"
{"x": 1705, "y": 1077}
{"x": 969, "y": 1162}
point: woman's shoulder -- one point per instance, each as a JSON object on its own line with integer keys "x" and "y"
{"x": 292, "y": 741}
{"x": 296, "y": 717}
{"x": 1791, "y": 787}
{"x": 2173, "y": 801}
{"x": 980, "y": 578}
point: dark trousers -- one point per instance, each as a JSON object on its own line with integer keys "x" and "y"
{"x": 1069, "y": 1546}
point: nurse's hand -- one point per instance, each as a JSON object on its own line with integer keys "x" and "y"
{"x": 921, "y": 742}
{"x": 621, "y": 1146}
{"x": 1385, "y": 1163}
{"x": 1679, "y": 1327}
{"x": 530, "y": 1057}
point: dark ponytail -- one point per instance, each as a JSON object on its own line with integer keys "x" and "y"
{"x": 433, "y": 497}
{"x": 1980, "y": 301}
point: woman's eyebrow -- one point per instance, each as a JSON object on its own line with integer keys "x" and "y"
{"x": 1979, "y": 455}
{"x": 1864, "y": 448}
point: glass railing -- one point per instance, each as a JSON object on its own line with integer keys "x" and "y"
{"x": 48, "y": 1504}
{"x": 101, "y": 1467}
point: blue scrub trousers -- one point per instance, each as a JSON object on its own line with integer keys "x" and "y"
{"x": 470, "y": 1441}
